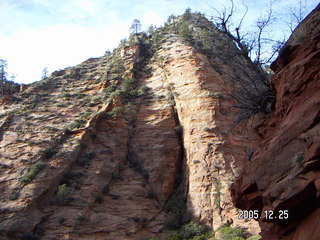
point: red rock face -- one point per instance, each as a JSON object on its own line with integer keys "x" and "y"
{"x": 6, "y": 100}
{"x": 84, "y": 155}
{"x": 284, "y": 173}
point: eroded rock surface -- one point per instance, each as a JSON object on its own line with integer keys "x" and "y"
{"x": 284, "y": 172}
{"x": 95, "y": 151}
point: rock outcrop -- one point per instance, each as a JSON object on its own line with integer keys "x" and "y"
{"x": 283, "y": 175}
{"x": 97, "y": 151}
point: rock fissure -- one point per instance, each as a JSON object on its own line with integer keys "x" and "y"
{"x": 148, "y": 138}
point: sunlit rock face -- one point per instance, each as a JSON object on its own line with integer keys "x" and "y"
{"x": 96, "y": 151}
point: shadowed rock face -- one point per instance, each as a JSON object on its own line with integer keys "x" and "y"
{"x": 284, "y": 171}
{"x": 95, "y": 151}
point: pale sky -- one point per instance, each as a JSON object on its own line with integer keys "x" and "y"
{"x": 35, "y": 34}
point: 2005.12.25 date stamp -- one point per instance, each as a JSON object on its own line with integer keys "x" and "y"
{"x": 266, "y": 214}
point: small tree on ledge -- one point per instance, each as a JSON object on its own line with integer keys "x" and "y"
{"x": 135, "y": 27}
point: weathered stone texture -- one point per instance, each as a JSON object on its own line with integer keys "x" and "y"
{"x": 284, "y": 171}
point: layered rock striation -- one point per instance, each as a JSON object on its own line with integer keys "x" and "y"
{"x": 97, "y": 150}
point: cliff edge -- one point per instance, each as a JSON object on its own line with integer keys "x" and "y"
{"x": 282, "y": 180}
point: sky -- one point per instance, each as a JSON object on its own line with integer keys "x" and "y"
{"x": 55, "y": 34}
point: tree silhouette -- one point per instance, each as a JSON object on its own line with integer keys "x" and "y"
{"x": 7, "y": 87}
{"x": 44, "y": 73}
{"x": 135, "y": 27}
{"x": 3, "y": 73}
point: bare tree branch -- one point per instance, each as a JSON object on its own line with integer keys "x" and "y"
{"x": 250, "y": 45}
{"x": 241, "y": 21}
{"x": 251, "y": 89}
{"x": 296, "y": 15}
{"x": 261, "y": 24}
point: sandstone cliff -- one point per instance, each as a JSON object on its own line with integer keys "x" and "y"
{"x": 283, "y": 174}
{"x": 99, "y": 150}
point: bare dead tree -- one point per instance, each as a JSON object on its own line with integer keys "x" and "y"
{"x": 240, "y": 56}
{"x": 251, "y": 44}
{"x": 223, "y": 18}
{"x": 262, "y": 23}
{"x": 247, "y": 53}
{"x": 296, "y": 15}
{"x": 252, "y": 90}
